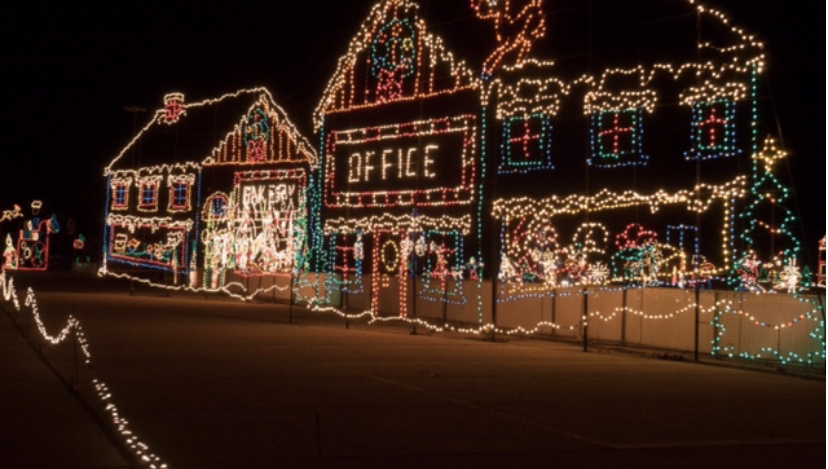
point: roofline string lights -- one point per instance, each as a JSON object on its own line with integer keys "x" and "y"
{"x": 343, "y": 92}
{"x": 160, "y": 116}
{"x": 265, "y": 124}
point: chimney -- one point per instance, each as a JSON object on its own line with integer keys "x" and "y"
{"x": 173, "y": 107}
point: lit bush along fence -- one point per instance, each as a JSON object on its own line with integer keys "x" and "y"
{"x": 781, "y": 328}
{"x": 68, "y": 352}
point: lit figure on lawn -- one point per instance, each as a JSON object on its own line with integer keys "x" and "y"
{"x": 9, "y": 255}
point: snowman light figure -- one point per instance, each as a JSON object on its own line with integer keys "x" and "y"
{"x": 789, "y": 277}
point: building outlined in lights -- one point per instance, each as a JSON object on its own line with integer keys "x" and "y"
{"x": 217, "y": 196}
{"x": 400, "y": 171}
{"x": 618, "y": 164}
{"x": 568, "y": 160}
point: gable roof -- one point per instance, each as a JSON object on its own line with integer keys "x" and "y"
{"x": 202, "y": 130}
{"x": 707, "y": 55}
{"x": 431, "y": 69}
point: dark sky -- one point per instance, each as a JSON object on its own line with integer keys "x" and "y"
{"x": 70, "y": 70}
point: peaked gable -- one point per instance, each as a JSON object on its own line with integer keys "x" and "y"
{"x": 711, "y": 57}
{"x": 263, "y": 135}
{"x": 185, "y": 135}
{"x": 392, "y": 58}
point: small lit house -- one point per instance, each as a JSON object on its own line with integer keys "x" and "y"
{"x": 400, "y": 173}
{"x": 630, "y": 154}
{"x": 210, "y": 194}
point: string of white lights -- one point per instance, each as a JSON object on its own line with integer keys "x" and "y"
{"x": 160, "y": 116}
{"x": 138, "y": 448}
{"x": 344, "y": 92}
{"x": 9, "y": 215}
{"x": 226, "y": 289}
{"x": 717, "y": 308}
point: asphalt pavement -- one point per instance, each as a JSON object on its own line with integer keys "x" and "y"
{"x": 42, "y": 424}
{"x": 214, "y": 383}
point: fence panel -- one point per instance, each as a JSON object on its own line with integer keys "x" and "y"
{"x": 606, "y": 315}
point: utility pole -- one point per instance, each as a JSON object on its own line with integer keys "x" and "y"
{"x": 134, "y": 110}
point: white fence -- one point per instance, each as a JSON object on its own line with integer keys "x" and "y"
{"x": 780, "y": 328}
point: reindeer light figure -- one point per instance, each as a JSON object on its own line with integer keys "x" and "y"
{"x": 518, "y": 24}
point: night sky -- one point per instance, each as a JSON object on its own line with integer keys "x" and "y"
{"x": 71, "y": 69}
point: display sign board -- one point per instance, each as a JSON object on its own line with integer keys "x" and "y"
{"x": 269, "y": 225}
{"x": 424, "y": 163}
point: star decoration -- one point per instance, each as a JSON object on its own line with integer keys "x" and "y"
{"x": 770, "y": 154}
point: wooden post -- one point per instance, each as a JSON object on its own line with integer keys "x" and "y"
{"x": 624, "y": 316}
{"x": 698, "y": 318}
{"x": 586, "y": 318}
{"x": 344, "y": 300}
{"x": 76, "y": 376}
{"x": 554, "y": 309}
{"x": 290, "y": 301}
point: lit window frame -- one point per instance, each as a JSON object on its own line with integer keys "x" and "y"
{"x": 703, "y": 114}
{"x": 435, "y": 286}
{"x": 342, "y": 246}
{"x": 174, "y": 182}
{"x": 152, "y": 183}
{"x": 542, "y": 142}
{"x": 632, "y": 156}
{"x": 208, "y": 213}
{"x": 123, "y": 185}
